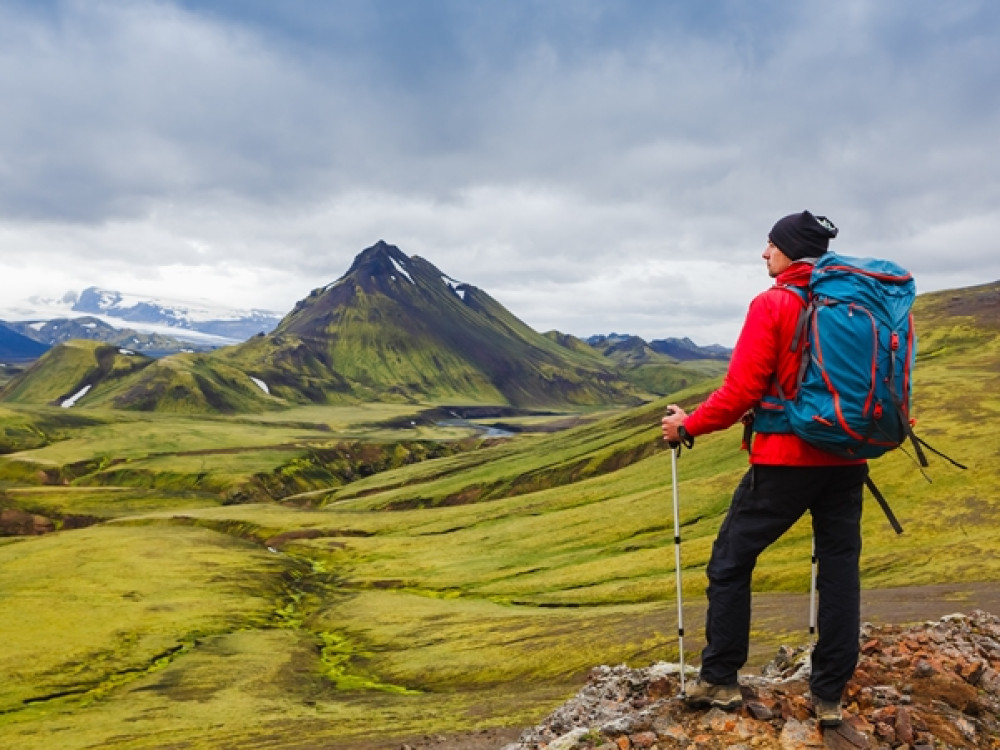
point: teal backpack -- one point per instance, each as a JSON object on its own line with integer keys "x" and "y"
{"x": 852, "y": 396}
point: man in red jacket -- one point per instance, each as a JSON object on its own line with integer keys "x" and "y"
{"x": 787, "y": 477}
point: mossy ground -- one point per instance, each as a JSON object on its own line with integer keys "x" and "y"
{"x": 470, "y": 590}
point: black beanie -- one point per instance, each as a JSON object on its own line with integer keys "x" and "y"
{"x": 803, "y": 235}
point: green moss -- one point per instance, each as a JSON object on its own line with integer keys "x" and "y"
{"x": 338, "y": 657}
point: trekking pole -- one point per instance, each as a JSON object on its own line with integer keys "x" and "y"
{"x": 675, "y": 449}
{"x": 812, "y": 595}
{"x": 677, "y": 564}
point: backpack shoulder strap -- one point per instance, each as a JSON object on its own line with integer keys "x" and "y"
{"x": 801, "y": 327}
{"x": 805, "y": 297}
{"x": 776, "y": 404}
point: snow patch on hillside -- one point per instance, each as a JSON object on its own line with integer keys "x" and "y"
{"x": 457, "y": 287}
{"x": 71, "y": 401}
{"x": 402, "y": 271}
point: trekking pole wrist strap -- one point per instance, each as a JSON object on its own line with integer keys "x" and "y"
{"x": 687, "y": 439}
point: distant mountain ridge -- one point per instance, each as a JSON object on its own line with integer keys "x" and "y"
{"x": 16, "y": 347}
{"x": 683, "y": 349}
{"x": 393, "y": 328}
{"x": 661, "y": 367}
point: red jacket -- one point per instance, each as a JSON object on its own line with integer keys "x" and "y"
{"x": 763, "y": 349}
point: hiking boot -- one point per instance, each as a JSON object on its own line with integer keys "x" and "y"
{"x": 827, "y": 712}
{"x": 703, "y": 694}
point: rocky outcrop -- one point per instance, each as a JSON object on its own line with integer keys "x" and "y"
{"x": 18, "y": 522}
{"x": 15, "y": 522}
{"x": 929, "y": 686}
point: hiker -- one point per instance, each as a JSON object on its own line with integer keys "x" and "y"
{"x": 787, "y": 477}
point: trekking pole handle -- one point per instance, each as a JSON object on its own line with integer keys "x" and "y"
{"x": 686, "y": 439}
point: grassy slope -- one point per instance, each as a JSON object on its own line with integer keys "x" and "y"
{"x": 134, "y": 594}
{"x": 217, "y": 459}
{"x": 64, "y": 370}
{"x": 443, "y": 616}
{"x": 664, "y": 378}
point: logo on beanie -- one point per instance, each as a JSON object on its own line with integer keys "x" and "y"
{"x": 827, "y": 225}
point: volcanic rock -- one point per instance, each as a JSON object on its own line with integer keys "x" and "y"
{"x": 932, "y": 685}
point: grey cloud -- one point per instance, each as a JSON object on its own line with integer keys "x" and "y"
{"x": 513, "y": 144}
{"x": 121, "y": 105}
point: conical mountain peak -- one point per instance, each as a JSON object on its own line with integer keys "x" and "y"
{"x": 380, "y": 256}
{"x": 397, "y": 325}
{"x": 387, "y": 269}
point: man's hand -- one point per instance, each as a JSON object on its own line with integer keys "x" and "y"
{"x": 672, "y": 423}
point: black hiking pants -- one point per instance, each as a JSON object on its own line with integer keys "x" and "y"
{"x": 767, "y": 502}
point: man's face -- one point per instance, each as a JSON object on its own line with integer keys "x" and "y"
{"x": 777, "y": 261}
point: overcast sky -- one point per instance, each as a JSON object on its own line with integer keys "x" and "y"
{"x": 596, "y": 166}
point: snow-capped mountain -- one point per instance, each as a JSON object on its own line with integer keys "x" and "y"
{"x": 194, "y": 316}
{"x": 200, "y": 322}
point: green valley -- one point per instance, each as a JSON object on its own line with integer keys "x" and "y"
{"x": 306, "y": 572}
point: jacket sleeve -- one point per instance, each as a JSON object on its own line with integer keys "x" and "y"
{"x": 751, "y": 368}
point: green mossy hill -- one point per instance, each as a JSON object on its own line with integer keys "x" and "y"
{"x": 122, "y": 379}
{"x": 66, "y": 370}
{"x": 976, "y": 306}
{"x": 189, "y": 383}
{"x": 397, "y": 327}
{"x": 514, "y": 468}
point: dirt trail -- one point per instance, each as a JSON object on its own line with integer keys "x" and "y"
{"x": 787, "y": 613}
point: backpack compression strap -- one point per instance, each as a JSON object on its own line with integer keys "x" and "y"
{"x": 904, "y": 419}
{"x": 877, "y": 494}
